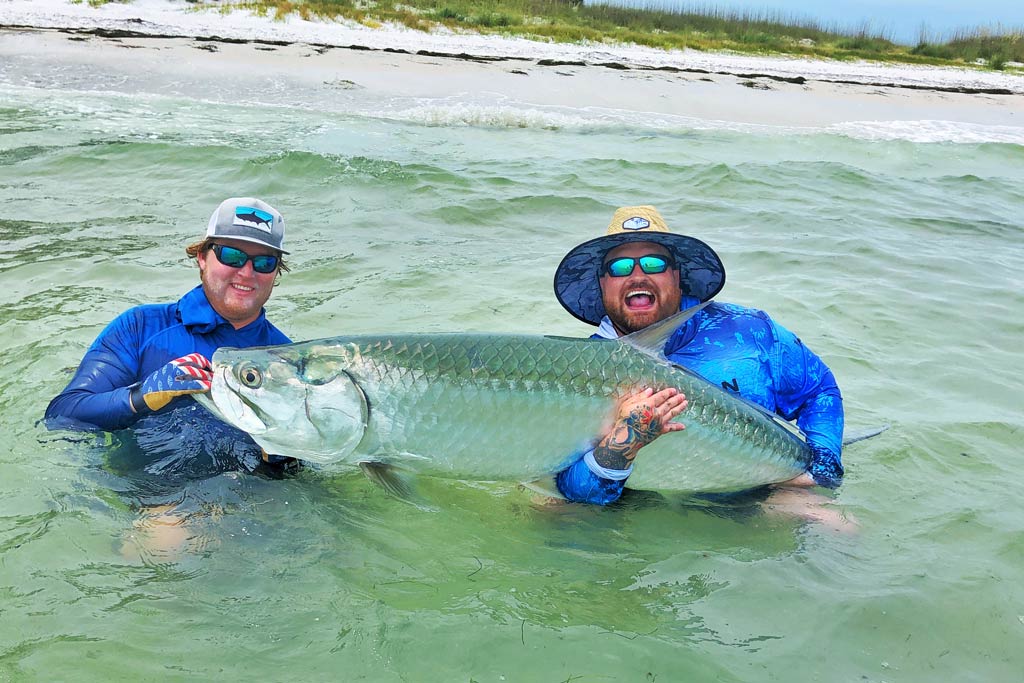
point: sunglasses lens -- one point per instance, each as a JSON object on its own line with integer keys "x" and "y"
{"x": 652, "y": 265}
{"x": 230, "y": 256}
{"x": 620, "y": 267}
{"x": 264, "y": 264}
{"x": 236, "y": 258}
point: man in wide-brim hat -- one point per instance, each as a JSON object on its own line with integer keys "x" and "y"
{"x": 640, "y": 273}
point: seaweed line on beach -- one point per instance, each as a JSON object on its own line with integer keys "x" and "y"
{"x": 117, "y": 34}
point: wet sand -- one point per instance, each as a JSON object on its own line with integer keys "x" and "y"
{"x": 200, "y": 66}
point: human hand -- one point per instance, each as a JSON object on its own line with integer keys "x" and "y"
{"x": 825, "y": 470}
{"x": 191, "y": 374}
{"x": 800, "y": 480}
{"x": 640, "y": 418}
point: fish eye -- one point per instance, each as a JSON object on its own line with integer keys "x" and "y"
{"x": 251, "y": 377}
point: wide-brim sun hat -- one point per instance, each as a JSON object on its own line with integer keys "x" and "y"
{"x": 577, "y": 278}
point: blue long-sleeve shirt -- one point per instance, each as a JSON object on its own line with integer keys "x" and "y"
{"x": 138, "y": 342}
{"x": 744, "y": 351}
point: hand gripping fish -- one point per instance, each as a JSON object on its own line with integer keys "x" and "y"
{"x": 494, "y": 407}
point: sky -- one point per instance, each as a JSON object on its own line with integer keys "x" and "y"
{"x": 899, "y": 20}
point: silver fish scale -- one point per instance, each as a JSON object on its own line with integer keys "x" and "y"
{"x": 496, "y": 406}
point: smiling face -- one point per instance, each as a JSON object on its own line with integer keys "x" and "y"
{"x": 238, "y": 294}
{"x": 639, "y": 299}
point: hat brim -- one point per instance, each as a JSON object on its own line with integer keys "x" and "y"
{"x": 577, "y": 285}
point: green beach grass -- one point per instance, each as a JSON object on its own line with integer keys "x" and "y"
{"x": 702, "y": 28}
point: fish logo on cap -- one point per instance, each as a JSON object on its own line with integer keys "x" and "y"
{"x": 636, "y": 223}
{"x": 249, "y": 217}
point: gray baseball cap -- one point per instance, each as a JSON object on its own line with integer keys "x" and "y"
{"x": 250, "y": 220}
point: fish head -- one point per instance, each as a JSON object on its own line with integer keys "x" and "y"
{"x": 290, "y": 399}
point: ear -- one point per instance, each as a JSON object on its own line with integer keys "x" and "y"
{"x": 201, "y": 259}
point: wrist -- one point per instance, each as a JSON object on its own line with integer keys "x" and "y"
{"x": 614, "y": 454}
{"x": 135, "y": 400}
{"x": 826, "y": 468}
{"x": 606, "y": 472}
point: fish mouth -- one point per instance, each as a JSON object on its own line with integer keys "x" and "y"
{"x": 640, "y": 299}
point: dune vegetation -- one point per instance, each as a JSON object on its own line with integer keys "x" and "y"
{"x": 690, "y": 27}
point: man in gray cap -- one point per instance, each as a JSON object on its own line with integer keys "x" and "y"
{"x": 640, "y": 273}
{"x": 151, "y": 358}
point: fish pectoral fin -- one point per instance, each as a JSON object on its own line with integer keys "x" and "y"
{"x": 388, "y": 478}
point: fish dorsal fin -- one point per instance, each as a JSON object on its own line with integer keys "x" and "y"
{"x": 652, "y": 339}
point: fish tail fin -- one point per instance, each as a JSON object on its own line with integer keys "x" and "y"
{"x": 862, "y": 434}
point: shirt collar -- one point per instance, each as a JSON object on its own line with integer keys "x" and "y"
{"x": 606, "y": 330}
{"x": 196, "y": 313}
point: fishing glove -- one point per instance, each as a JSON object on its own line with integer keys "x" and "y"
{"x": 826, "y": 468}
{"x": 191, "y": 374}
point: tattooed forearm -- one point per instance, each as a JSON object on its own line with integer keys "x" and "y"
{"x": 639, "y": 428}
{"x": 612, "y": 455}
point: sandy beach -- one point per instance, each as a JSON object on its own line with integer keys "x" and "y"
{"x": 156, "y": 46}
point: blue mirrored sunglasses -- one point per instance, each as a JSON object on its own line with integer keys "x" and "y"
{"x": 652, "y": 264}
{"x": 236, "y": 258}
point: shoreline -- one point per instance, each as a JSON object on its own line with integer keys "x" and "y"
{"x": 433, "y": 88}
{"x": 433, "y": 79}
{"x": 624, "y": 65}
{"x": 166, "y": 19}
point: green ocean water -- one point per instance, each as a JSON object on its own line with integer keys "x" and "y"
{"x": 898, "y": 261}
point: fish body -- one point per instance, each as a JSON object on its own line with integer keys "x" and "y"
{"x": 493, "y": 407}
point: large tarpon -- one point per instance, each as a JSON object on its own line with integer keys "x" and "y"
{"x": 494, "y": 407}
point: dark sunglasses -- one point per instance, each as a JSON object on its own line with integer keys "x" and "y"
{"x": 236, "y": 258}
{"x": 652, "y": 264}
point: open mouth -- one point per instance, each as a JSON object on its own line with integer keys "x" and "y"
{"x": 640, "y": 299}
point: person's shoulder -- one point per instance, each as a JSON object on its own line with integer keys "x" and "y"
{"x": 262, "y": 332}
{"x": 723, "y": 309}
{"x": 275, "y": 335}
{"x": 165, "y": 308}
{"x": 144, "y": 314}
{"x": 733, "y": 318}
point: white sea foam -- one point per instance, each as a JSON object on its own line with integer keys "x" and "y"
{"x": 593, "y": 119}
{"x": 170, "y": 17}
{"x": 929, "y": 131}
{"x": 474, "y": 111}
